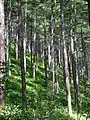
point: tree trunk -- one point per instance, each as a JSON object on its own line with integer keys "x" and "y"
{"x": 22, "y": 55}
{"x": 45, "y": 51}
{"x": 34, "y": 54}
{"x": 2, "y": 51}
{"x": 65, "y": 61}
{"x": 74, "y": 52}
{"x": 52, "y": 47}
{"x": 84, "y": 61}
{"x": 16, "y": 46}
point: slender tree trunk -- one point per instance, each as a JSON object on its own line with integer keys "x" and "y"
{"x": 52, "y": 47}
{"x": 16, "y": 43}
{"x": 42, "y": 52}
{"x": 45, "y": 51}
{"x": 22, "y": 55}
{"x": 8, "y": 37}
{"x": 16, "y": 46}
{"x": 84, "y": 61}
{"x": 74, "y": 52}
{"x": 7, "y": 48}
{"x": 9, "y": 20}
{"x": 76, "y": 59}
{"x": 59, "y": 53}
{"x": 49, "y": 55}
{"x": 2, "y": 51}
{"x": 65, "y": 61}
{"x": 34, "y": 54}
{"x": 25, "y": 36}
{"x": 31, "y": 46}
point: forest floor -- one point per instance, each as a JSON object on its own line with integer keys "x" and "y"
{"x": 41, "y": 102}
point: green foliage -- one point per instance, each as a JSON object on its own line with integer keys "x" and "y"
{"x": 40, "y": 99}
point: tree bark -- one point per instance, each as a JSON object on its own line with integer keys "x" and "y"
{"x": 65, "y": 61}
{"x": 52, "y": 47}
{"x": 22, "y": 54}
{"x": 45, "y": 51}
{"x": 2, "y": 51}
{"x": 74, "y": 52}
{"x": 34, "y": 52}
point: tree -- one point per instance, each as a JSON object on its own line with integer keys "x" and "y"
{"x": 65, "y": 61}
{"x": 22, "y": 54}
{"x": 2, "y": 51}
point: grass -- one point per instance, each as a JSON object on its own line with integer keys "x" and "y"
{"x": 40, "y": 99}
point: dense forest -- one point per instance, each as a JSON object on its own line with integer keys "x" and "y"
{"x": 44, "y": 59}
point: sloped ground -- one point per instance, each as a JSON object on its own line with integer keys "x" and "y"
{"x": 40, "y": 100}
